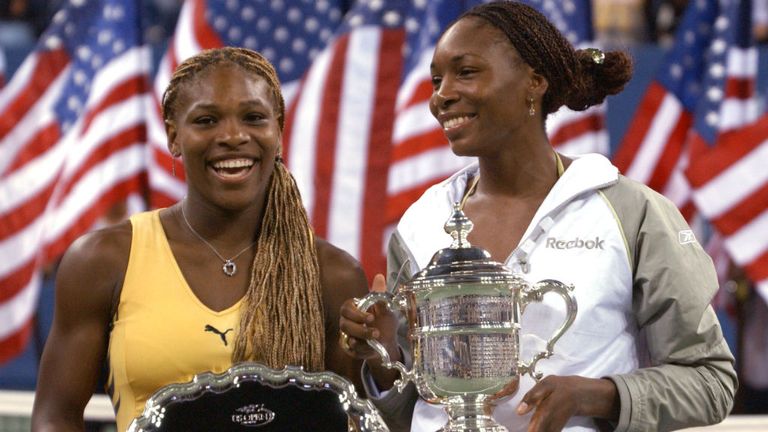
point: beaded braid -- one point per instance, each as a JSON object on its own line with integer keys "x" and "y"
{"x": 281, "y": 320}
{"x": 574, "y": 78}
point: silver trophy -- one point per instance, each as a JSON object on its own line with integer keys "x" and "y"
{"x": 463, "y": 312}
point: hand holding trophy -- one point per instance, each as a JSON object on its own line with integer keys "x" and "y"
{"x": 463, "y": 312}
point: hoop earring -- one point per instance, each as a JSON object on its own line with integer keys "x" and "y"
{"x": 531, "y": 107}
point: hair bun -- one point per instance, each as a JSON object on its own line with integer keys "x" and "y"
{"x": 602, "y": 74}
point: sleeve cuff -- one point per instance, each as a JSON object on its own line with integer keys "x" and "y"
{"x": 625, "y": 401}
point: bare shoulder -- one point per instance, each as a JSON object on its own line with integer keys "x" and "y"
{"x": 341, "y": 274}
{"x": 94, "y": 265}
{"x": 102, "y": 249}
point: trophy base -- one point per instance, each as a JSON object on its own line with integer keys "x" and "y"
{"x": 471, "y": 414}
{"x": 485, "y": 424}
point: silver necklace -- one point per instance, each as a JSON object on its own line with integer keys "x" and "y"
{"x": 229, "y": 268}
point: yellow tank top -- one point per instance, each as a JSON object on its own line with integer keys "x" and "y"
{"x": 162, "y": 333}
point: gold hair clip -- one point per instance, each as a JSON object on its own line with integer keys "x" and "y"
{"x": 598, "y": 56}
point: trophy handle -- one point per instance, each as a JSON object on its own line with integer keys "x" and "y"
{"x": 536, "y": 294}
{"x": 393, "y": 304}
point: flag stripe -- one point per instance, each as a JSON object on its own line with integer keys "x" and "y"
{"x": 16, "y": 220}
{"x": 378, "y": 160}
{"x": 16, "y": 312}
{"x": 15, "y": 342}
{"x": 740, "y": 88}
{"x": 433, "y": 139}
{"x": 747, "y": 244}
{"x": 733, "y": 147}
{"x": 46, "y": 68}
{"x": 12, "y": 284}
{"x": 207, "y": 38}
{"x": 329, "y": 125}
{"x": 736, "y": 165}
{"x": 583, "y": 125}
{"x": 758, "y": 268}
{"x": 357, "y": 100}
{"x": 106, "y": 149}
{"x": 303, "y": 141}
{"x": 120, "y": 189}
{"x": 45, "y": 138}
{"x": 742, "y": 211}
{"x": 124, "y": 90}
{"x": 635, "y": 137}
{"x": 414, "y": 122}
{"x": 669, "y": 156}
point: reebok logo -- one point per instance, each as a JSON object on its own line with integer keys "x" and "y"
{"x": 577, "y": 243}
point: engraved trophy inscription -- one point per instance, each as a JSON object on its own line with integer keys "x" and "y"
{"x": 463, "y": 312}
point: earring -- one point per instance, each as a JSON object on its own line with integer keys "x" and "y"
{"x": 531, "y": 107}
{"x": 173, "y": 165}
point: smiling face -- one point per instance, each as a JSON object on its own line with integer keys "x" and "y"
{"x": 225, "y": 127}
{"x": 481, "y": 88}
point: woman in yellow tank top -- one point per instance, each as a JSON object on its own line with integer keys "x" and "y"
{"x": 233, "y": 272}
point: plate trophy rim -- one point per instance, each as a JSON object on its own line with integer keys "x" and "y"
{"x": 151, "y": 417}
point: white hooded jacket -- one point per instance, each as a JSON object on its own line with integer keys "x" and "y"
{"x": 642, "y": 284}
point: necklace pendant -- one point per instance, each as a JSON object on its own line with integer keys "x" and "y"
{"x": 229, "y": 268}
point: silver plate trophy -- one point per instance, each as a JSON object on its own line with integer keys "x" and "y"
{"x": 253, "y": 397}
{"x": 463, "y": 312}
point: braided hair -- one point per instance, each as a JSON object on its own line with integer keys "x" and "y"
{"x": 574, "y": 76}
{"x": 281, "y": 319}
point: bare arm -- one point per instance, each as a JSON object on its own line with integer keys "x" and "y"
{"x": 86, "y": 282}
{"x": 342, "y": 279}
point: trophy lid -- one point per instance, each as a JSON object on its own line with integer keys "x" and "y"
{"x": 461, "y": 262}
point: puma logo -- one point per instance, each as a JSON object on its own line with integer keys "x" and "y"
{"x": 223, "y": 336}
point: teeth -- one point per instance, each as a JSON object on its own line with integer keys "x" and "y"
{"x": 451, "y": 123}
{"x": 233, "y": 163}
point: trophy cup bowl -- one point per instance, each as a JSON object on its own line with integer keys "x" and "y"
{"x": 463, "y": 312}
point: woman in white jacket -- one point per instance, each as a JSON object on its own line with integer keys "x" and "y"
{"x": 646, "y": 351}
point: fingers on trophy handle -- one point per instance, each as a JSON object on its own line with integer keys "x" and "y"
{"x": 392, "y": 303}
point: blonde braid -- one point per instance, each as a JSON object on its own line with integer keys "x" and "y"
{"x": 281, "y": 319}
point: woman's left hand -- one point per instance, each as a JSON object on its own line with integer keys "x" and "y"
{"x": 555, "y": 399}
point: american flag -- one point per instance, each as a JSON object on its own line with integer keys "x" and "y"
{"x": 730, "y": 188}
{"x": 290, "y": 33}
{"x": 705, "y": 87}
{"x": 682, "y": 141}
{"x": 727, "y": 174}
{"x": 339, "y": 130}
{"x": 72, "y": 139}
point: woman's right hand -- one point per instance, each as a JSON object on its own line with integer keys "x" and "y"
{"x": 379, "y": 323}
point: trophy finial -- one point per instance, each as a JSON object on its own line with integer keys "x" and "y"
{"x": 459, "y": 226}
